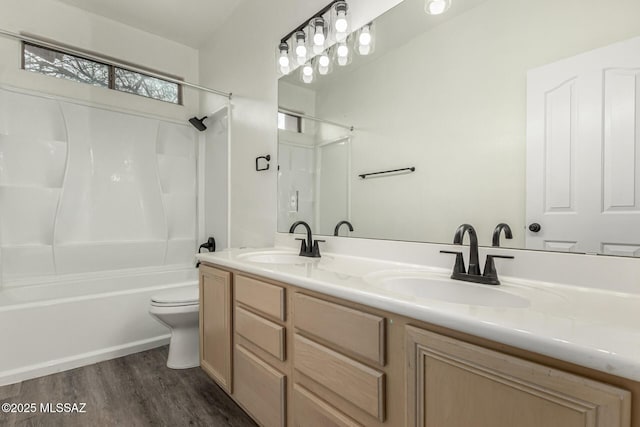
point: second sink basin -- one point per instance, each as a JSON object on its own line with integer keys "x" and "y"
{"x": 436, "y": 286}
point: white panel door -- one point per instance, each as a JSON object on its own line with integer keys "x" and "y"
{"x": 583, "y": 152}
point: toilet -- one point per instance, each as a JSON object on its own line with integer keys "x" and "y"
{"x": 178, "y": 310}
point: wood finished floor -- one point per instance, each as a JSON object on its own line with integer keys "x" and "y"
{"x": 136, "y": 390}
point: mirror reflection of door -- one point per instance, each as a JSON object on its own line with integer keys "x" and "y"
{"x": 583, "y": 158}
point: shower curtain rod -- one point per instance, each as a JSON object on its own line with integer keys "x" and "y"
{"x": 304, "y": 116}
{"x": 109, "y": 61}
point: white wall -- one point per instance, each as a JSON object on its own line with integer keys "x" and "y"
{"x": 80, "y": 29}
{"x": 451, "y": 102}
{"x": 241, "y": 58}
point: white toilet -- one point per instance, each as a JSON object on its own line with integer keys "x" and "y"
{"x": 178, "y": 310}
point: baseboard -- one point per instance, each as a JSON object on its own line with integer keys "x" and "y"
{"x": 84, "y": 359}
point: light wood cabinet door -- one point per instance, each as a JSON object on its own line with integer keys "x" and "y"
{"x": 260, "y": 389}
{"x": 215, "y": 325}
{"x": 455, "y": 384}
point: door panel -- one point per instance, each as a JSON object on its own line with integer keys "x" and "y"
{"x": 583, "y": 184}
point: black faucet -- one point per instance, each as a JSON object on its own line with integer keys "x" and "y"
{"x": 498, "y": 230}
{"x": 490, "y": 275}
{"x": 308, "y": 248}
{"x": 474, "y": 264}
{"x": 340, "y": 224}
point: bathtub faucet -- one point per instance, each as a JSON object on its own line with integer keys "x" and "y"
{"x": 209, "y": 245}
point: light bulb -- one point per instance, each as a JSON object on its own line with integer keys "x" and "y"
{"x": 365, "y": 37}
{"x": 324, "y": 61}
{"x": 341, "y": 22}
{"x": 364, "y": 50}
{"x": 318, "y": 34}
{"x": 342, "y": 53}
{"x": 301, "y": 50}
{"x": 436, "y": 7}
{"x": 307, "y": 73}
{"x": 307, "y": 70}
{"x": 284, "y": 64}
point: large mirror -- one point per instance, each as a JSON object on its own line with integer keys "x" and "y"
{"x": 509, "y": 111}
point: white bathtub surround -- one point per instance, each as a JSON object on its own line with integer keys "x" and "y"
{"x": 84, "y": 188}
{"x": 570, "y": 307}
{"x": 82, "y": 319}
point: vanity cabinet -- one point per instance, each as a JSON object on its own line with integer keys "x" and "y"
{"x": 216, "y": 325}
{"x": 305, "y": 359}
{"x": 455, "y": 384}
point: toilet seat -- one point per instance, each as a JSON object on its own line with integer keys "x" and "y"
{"x": 177, "y": 298}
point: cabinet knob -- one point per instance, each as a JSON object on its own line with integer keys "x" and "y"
{"x": 535, "y": 227}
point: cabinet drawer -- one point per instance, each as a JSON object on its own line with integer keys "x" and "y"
{"x": 311, "y": 411}
{"x": 354, "y": 382}
{"x": 353, "y": 330}
{"x": 261, "y": 296}
{"x": 261, "y": 332}
{"x": 260, "y": 389}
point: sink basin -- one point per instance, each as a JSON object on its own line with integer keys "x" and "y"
{"x": 436, "y": 286}
{"x": 276, "y": 257}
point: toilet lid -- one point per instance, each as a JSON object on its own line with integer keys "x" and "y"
{"x": 183, "y": 296}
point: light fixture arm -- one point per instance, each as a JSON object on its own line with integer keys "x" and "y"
{"x": 305, "y": 23}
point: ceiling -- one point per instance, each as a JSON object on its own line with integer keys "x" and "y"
{"x": 189, "y": 22}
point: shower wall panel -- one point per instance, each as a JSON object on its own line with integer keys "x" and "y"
{"x": 86, "y": 189}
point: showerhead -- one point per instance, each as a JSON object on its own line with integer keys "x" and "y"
{"x": 198, "y": 123}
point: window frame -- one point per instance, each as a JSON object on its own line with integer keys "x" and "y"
{"x": 296, "y": 117}
{"x": 111, "y": 81}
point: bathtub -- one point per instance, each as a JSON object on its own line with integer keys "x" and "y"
{"x": 61, "y": 323}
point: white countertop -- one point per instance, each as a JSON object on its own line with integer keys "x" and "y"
{"x": 595, "y": 328}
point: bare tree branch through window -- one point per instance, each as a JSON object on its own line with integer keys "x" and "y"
{"x": 65, "y": 66}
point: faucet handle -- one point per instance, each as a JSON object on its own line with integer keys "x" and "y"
{"x": 490, "y": 266}
{"x": 316, "y": 248}
{"x": 303, "y": 246}
{"x": 458, "y": 267}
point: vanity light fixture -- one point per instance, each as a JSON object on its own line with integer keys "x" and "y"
{"x": 328, "y": 26}
{"x": 436, "y": 7}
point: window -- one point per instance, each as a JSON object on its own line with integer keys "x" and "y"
{"x": 62, "y": 65}
{"x": 290, "y": 122}
{"x": 57, "y": 64}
